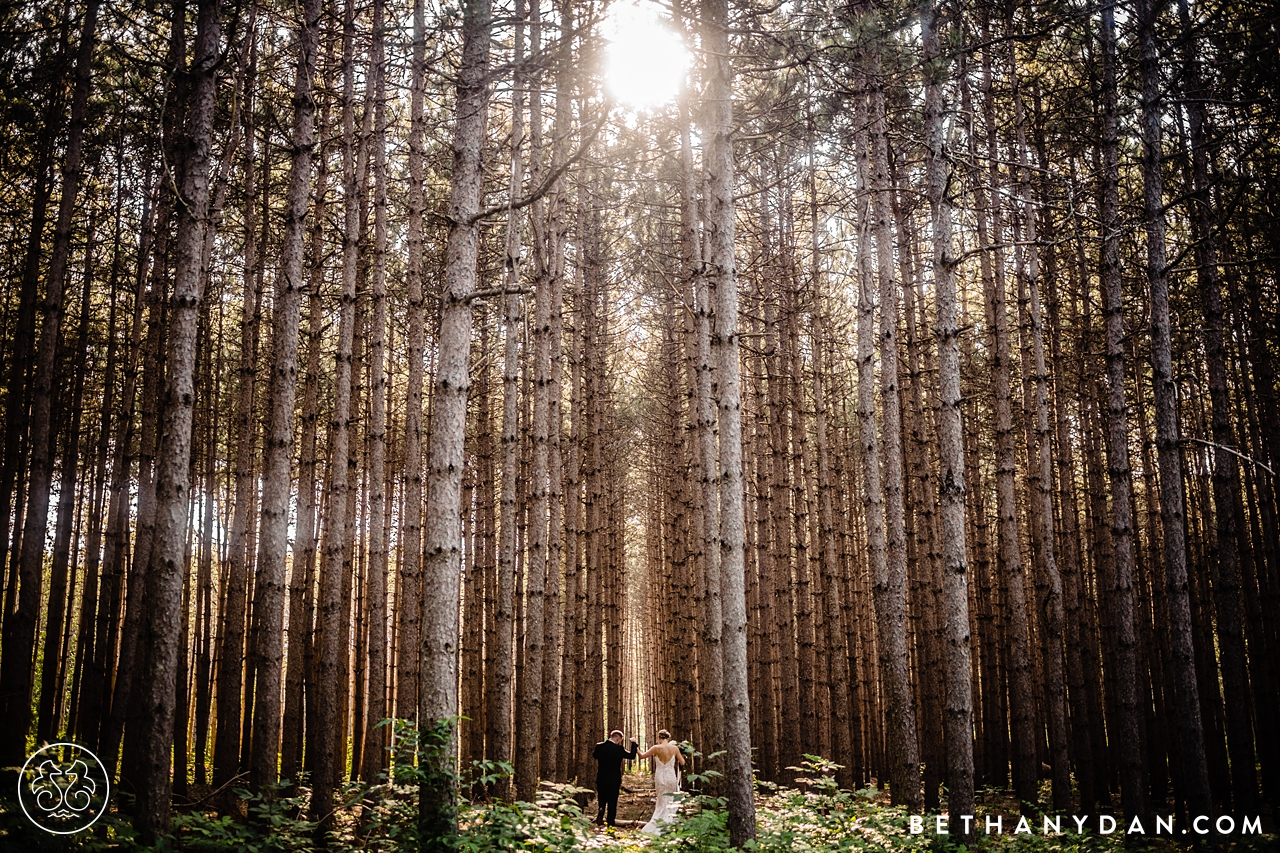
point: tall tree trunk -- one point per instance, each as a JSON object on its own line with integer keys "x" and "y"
{"x": 18, "y": 400}
{"x": 167, "y": 570}
{"x": 300, "y": 690}
{"x": 1050, "y": 583}
{"x": 500, "y": 700}
{"x": 182, "y": 693}
{"x": 408, "y": 588}
{"x": 329, "y": 738}
{"x": 226, "y": 759}
{"x": 722, "y": 278}
{"x": 127, "y": 701}
{"x": 922, "y": 494}
{"x": 273, "y": 538}
{"x": 1186, "y": 692}
{"x": 50, "y": 710}
{"x": 204, "y": 570}
{"x": 530, "y": 714}
{"x": 868, "y": 444}
{"x": 126, "y": 631}
{"x": 587, "y": 696}
{"x": 711, "y": 654}
{"x": 1072, "y": 563}
{"x": 374, "y": 756}
{"x": 438, "y": 700}
{"x": 958, "y": 715}
{"x": 829, "y": 559}
{"x": 903, "y": 751}
{"x": 1226, "y": 590}
{"x": 556, "y": 638}
{"x": 97, "y": 687}
{"x": 767, "y": 643}
{"x": 487, "y": 523}
{"x": 594, "y": 321}
{"x": 86, "y": 681}
{"x": 1021, "y": 688}
{"x": 20, "y": 628}
{"x": 571, "y": 708}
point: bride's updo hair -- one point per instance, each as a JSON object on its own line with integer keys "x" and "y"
{"x": 664, "y": 734}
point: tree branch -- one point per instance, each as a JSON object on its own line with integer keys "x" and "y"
{"x": 1230, "y": 450}
{"x": 550, "y": 182}
{"x": 495, "y": 291}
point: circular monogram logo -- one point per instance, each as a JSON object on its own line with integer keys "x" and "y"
{"x": 63, "y": 788}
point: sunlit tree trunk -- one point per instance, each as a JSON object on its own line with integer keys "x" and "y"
{"x": 556, "y": 637}
{"x": 408, "y": 588}
{"x": 333, "y": 631}
{"x": 299, "y": 709}
{"x": 722, "y": 278}
{"x": 438, "y": 699}
{"x": 711, "y": 659}
{"x": 273, "y": 537}
{"x": 958, "y": 714}
{"x": 536, "y": 566}
{"x": 502, "y": 656}
{"x": 374, "y": 755}
{"x": 868, "y": 443}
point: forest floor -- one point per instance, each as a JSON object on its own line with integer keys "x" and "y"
{"x": 815, "y": 816}
{"x": 812, "y": 820}
{"x": 635, "y": 805}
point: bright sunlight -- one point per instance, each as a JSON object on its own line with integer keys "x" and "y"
{"x": 646, "y": 59}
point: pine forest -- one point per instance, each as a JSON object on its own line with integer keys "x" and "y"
{"x": 879, "y": 399}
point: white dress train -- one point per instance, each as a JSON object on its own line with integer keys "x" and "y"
{"x": 666, "y": 783}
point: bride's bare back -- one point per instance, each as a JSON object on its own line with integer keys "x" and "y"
{"x": 664, "y": 752}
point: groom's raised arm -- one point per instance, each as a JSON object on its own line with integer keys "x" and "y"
{"x": 632, "y": 754}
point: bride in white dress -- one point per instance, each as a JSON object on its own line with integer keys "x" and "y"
{"x": 666, "y": 780}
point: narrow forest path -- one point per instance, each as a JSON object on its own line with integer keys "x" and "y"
{"x": 635, "y": 806}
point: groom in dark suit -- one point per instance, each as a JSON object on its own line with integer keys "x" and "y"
{"x": 609, "y": 755}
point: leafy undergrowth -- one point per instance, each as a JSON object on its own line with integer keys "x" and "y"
{"x": 819, "y": 816}
{"x": 814, "y": 816}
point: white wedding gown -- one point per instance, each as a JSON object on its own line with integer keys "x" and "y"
{"x": 666, "y": 783}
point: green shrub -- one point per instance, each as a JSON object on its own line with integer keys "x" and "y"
{"x": 272, "y": 826}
